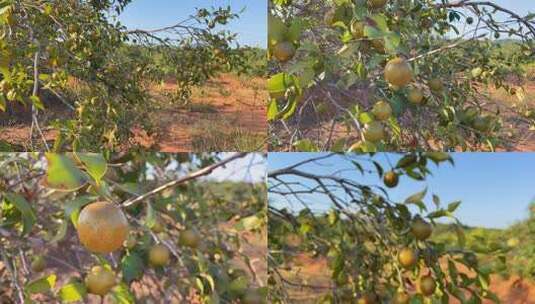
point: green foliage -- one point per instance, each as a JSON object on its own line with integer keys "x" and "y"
{"x": 343, "y": 47}
{"x": 101, "y": 70}
{"x": 358, "y": 231}
{"x": 42, "y": 195}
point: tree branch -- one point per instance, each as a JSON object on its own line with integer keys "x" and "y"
{"x": 194, "y": 175}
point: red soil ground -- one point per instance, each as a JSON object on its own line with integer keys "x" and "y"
{"x": 229, "y": 104}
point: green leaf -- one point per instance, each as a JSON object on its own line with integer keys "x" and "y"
{"x": 94, "y": 163}
{"x": 416, "y": 198}
{"x": 62, "y": 174}
{"x": 437, "y": 157}
{"x": 26, "y": 211}
{"x": 461, "y": 238}
{"x": 273, "y": 110}
{"x": 62, "y": 231}
{"x": 132, "y": 267}
{"x": 41, "y": 285}
{"x": 37, "y": 102}
{"x": 249, "y": 223}
{"x": 122, "y": 295}
{"x": 453, "y": 206}
{"x": 72, "y": 292}
{"x": 72, "y": 208}
{"x": 150, "y": 219}
{"x": 305, "y": 145}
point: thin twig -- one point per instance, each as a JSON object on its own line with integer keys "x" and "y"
{"x": 204, "y": 171}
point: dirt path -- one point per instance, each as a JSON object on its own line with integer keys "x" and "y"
{"x": 224, "y": 109}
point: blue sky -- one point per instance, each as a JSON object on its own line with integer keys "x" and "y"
{"x": 495, "y": 188}
{"x": 150, "y": 14}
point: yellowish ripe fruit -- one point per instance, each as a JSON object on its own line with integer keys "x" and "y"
{"x": 398, "y": 72}
{"x": 189, "y": 238}
{"x": 100, "y": 281}
{"x": 157, "y": 227}
{"x": 38, "y": 264}
{"x": 357, "y": 29}
{"x": 382, "y": 110}
{"x": 415, "y": 96}
{"x": 374, "y": 131}
{"x": 407, "y": 258}
{"x": 436, "y": 85}
{"x": 401, "y": 298}
{"x": 284, "y": 51}
{"x": 130, "y": 242}
{"x": 391, "y": 179}
{"x": 427, "y": 285}
{"x": 159, "y": 255}
{"x": 421, "y": 229}
{"x": 102, "y": 227}
{"x": 377, "y": 3}
{"x": 379, "y": 45}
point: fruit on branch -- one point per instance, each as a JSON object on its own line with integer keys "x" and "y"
{"x": 159, "y": 255}
{"x": 408, "y": 258}
{"x": 398, "y": 72}
{"x": 157, "y": 227}
{"x": 100, "y": 281}
{"x": 368, "y": 298}
{"x": 382, "y": 110}
{"x": 391, "y": 179}
{"x": 38, "y": 264}
{"x": 482, "y": 123}
{"x": 102, "y": 227}
{"x": 130, "y": 242}
{"x": 357, "y": 29}
{"x": 284, "y": 51}
{"x": 374, "y": 131}
{"x": 415, "y": 96}
{"x": 379, "y": 45}
{"x": 401, "y": 297}
{"x": 427, "y": 285}
{"x": 436, "y": 85}
{"x": 377, "y": 3}
{"x": 421, "y": 229}
{"x": 189, "y": 238}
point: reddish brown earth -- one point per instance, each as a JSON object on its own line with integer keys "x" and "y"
{"x": 315, "y": 273}
{"x": 228, "y": 105}
{"x": 223, "y": 103}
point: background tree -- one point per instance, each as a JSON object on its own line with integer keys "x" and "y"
{"x": 129, "y": 228}
{"x": 48, "y": 48}
{"x": 388, "y": 75}
{"x": 377, "y": 250}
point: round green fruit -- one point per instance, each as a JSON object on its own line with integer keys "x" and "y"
{"x": 427, "y": 285}
{"x": 398, "y": 72}
{"x": 189, "y": 238}
{"x": 374, "y": 131}
{"x": 382, "y": 110}
{"x": 100, "y": 281}
{"x": 284, "y": 51}
{"x": 391, "y": 179}
{"x": 159, "y": 255}
{"x": 415, "y": 96}
{"x": 408, "y": 258}
{"x": 421, "y": 229}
